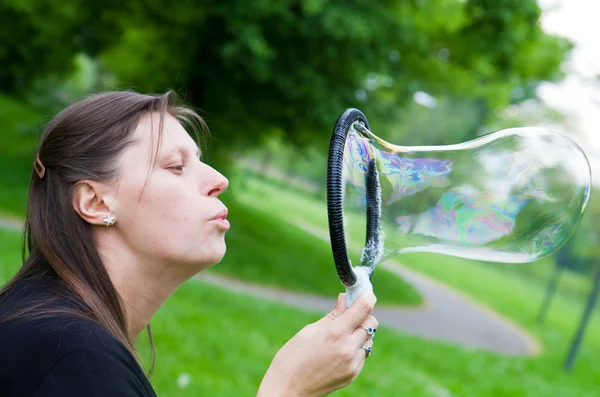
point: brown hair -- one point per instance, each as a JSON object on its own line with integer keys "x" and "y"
{"x": 83, "y": 142}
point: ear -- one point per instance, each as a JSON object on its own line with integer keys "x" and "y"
{"x": 91, "y": 202}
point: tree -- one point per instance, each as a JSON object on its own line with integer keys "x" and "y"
{"x": 297, "y": 64}
{"x": 42, "y": 38}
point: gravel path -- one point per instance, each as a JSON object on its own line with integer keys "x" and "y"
{"x": 10, "y": 223}
{"x": 447, "y": 315}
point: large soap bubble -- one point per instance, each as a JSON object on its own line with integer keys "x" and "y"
{"x": 515, "y": 195}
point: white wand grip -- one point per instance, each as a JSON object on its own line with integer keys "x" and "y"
{"x": 362, "y": 285}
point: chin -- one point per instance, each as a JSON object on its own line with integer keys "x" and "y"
{"x": 213, "y": 261}
{"x": 200, "y": 259}
{"x": 213, "y": 257}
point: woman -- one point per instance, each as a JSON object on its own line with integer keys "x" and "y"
{"x": 121, "y": 212}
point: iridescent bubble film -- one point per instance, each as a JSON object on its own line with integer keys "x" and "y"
{"x": 512, "y": 196}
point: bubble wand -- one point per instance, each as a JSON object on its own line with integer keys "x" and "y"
{"x": 512, "y": 196}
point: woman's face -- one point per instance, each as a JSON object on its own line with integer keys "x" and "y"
{"x": 172, "y": 214}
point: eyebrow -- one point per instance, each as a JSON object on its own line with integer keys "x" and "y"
{"x": 182, "y": 149}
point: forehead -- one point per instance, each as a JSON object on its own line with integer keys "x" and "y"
{"x": 174, "y": 136}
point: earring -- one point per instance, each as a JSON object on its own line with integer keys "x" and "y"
{"x": 109, "y": 220}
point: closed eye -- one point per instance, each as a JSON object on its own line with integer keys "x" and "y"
{"x": 178, "y": 168}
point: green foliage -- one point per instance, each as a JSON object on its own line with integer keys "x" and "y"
{"x": 583, "y": 252}
{"x": 297, "y": 65}
{"x": 18, "y": 140}
{"x": 41, "y": 38}
{"x": 293, "y": 64}
{"x": 503, "y": 47}
{"x": 452, "y": 120}
{"x": 53, "y": 93}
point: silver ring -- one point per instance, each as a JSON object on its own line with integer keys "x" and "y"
{"x": 367, "y": 349}
{"x": 370, "y": 332}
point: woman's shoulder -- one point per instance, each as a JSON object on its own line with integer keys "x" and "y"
{"x": 54, "y": 333}
{"x": 31, "y": 314}
{"x": 34, "y": 346}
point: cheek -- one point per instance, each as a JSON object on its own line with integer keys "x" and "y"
{"x": 162, "y": 203}
{"x": 171, "y": 222}
{"x": 168, "y": 216}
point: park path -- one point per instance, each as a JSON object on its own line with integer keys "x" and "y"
{"x": 447, "y": 315}
{"x": 8, "y": 223}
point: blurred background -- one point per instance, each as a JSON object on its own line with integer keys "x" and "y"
{"x": 271, "y": 78}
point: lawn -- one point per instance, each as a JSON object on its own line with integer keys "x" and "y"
{"x": 500, "y": 287}
{"x": 271, "y": 251}
{"x": 223, "y": 342}
{"x": 298, "y": 207}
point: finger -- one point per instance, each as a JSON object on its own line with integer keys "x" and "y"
{"x": 359, "y": 311}
{"x": 340, "y": 307}
{"x": 366, "y": 349}
{"x": 366, "y": 330}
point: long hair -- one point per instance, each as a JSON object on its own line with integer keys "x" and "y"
{"x": 83, "y": 142}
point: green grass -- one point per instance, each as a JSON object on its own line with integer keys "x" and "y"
{"x": 10, "y": 254}
{"x": 288, "y": 204}
{"x": 504, "y": 288}
{"x": 486, "y": 282}
{"x": 198, "y": 333}
{"x": 268, "y": 250}
{"x": 572, "y": 284}
{"x": 225, "y": 341}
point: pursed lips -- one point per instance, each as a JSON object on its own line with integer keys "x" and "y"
{"x": 221, "y": 215}
{"x": 220, "y": 219}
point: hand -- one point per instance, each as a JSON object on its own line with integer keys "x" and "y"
{"x": 324, "y": 356}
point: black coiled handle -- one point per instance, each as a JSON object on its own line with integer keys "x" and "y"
{"x": 335, "y": 210}
{"x": 374, "y": 244}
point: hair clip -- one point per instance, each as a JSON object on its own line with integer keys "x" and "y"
{"x": 39, "y": 167}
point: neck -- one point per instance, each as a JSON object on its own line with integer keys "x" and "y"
{"x": 143, "y": 284}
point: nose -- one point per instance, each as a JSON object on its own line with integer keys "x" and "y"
{"x": 217, "y": 183}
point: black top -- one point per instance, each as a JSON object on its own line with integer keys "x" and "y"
{"x": 62, "y": 355}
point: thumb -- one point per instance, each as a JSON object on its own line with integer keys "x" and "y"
{"x": 340, "y": 307}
